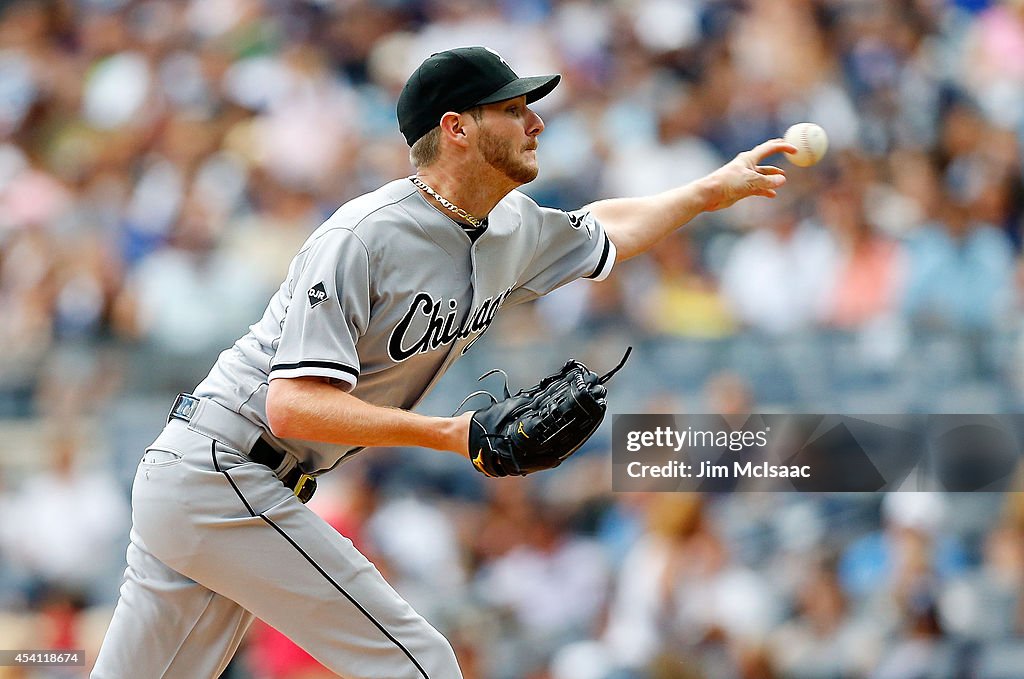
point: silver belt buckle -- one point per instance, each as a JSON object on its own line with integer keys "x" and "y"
{"x": 184, "y": 407}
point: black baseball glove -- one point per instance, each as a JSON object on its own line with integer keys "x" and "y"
{"x": 537, "y": 428}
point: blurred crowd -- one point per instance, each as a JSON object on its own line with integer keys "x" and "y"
{"x": 162, "y": 160}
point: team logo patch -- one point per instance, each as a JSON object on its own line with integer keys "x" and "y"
{"x": 317, "y": 294}
{"x": 578, "y": 219}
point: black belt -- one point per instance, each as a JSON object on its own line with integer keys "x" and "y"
{"x": 303, "y": 485}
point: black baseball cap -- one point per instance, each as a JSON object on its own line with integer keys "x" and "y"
{"x": 457, "y": 80}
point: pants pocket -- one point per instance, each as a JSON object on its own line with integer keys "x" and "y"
{"x": 160, "y": 457}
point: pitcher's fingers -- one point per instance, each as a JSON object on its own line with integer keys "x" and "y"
{"x": 771, "y": 169}
{"x": 771, "y": 147}
{"x": 773, "y": 181}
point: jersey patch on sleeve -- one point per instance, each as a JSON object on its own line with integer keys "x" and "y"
{"x": 317, "y": 294}
{"x": 584, "y": 219}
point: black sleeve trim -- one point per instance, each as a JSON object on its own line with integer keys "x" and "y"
{"x": 604, "y": 258}
{"x": 330, "y": 365}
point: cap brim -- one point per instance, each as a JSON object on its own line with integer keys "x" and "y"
{"x": 533, "y": 87}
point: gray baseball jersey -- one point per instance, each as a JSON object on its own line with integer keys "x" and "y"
{"x": 389, "y": 291}
{"x": 382, "y": 298}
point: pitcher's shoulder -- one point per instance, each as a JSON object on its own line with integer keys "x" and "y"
{"x": 370, "y": 209}
{"x": 369, "y": 217}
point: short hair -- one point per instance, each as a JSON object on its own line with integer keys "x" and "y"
{"x": 424, "y": 150}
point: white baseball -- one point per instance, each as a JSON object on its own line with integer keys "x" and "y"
{"x": 810, "y": 141}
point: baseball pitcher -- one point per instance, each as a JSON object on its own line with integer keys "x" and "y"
{"x": 382, "y": 298}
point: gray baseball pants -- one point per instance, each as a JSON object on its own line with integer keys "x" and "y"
{"x": 217, "y": 539}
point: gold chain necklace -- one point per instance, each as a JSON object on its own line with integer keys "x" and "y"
{"x": 476, "y": 222}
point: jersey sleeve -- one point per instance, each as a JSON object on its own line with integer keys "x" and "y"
{"x": 329, "y": 310}
{"x": 571, "y": 245}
